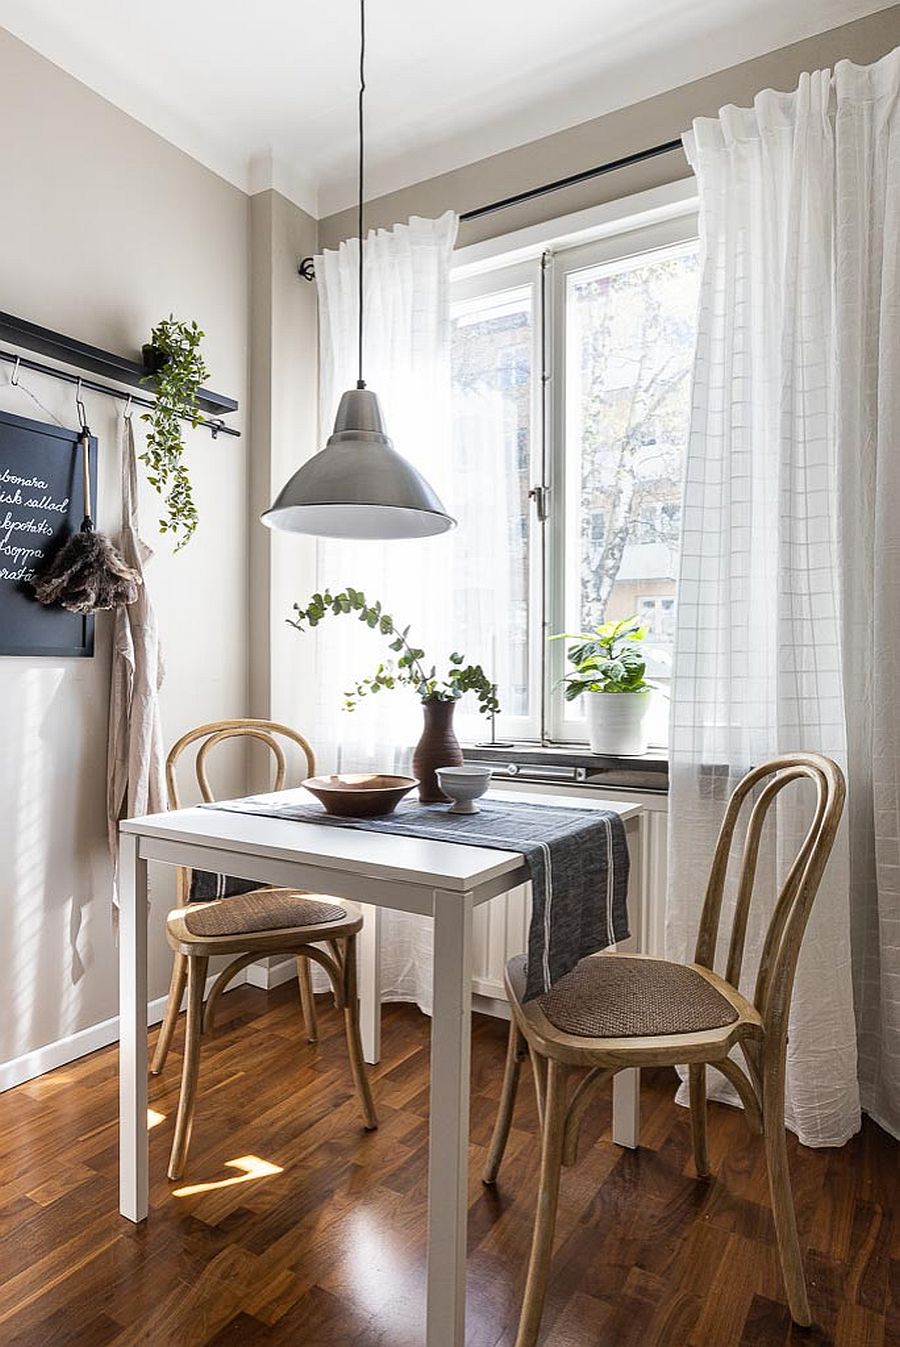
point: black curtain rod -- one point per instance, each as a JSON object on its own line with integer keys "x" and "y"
{"x": 307, "y": 270}
{"x": 572, "y": 180}
{"x": 92, "y": 386}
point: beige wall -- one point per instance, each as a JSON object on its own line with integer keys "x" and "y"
{"x": 105, "y": 229}
{"x": 652, "y": 122}
{"x": 284, "y": 370}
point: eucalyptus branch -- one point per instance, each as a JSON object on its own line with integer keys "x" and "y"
{"x": 409, "y": 669}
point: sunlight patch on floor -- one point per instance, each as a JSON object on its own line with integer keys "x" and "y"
{"x": 250, "y": 1166}
{"x": 154, "y": 1119}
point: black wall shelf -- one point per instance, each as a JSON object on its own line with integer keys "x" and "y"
{"x": 19, "y": 332}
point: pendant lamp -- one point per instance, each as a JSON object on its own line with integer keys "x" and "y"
{"x": 358, "y": 486}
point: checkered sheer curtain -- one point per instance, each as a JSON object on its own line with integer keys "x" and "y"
{"x": 789, "y": 580}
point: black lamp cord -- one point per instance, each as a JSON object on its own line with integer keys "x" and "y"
{"x": 360, "y": 382}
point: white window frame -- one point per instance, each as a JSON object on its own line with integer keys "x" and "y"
{"x": 640, "y": 224}
{"x": 563, "y": 552}
{"x": 494, "y": 282}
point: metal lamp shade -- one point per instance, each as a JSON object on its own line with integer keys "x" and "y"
{"x": 358, "y": 486}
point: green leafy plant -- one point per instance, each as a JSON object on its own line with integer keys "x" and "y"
{"x": 607, "y": 659}
{"x": 410, "y": 668}
{"x": 177, "y": 370}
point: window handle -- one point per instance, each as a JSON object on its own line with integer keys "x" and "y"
{"x": 540, "y": 496}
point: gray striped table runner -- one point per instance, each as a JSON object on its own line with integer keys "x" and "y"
{"x": 578, "y": 860}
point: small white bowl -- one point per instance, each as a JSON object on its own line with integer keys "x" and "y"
{"x": 464, "y": 785}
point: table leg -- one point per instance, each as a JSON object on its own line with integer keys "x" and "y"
{"x": 369, "y": 943}
{"x": 133, "y": 1141}
{"x": 451, "y": 1028}
{"x": 626, "y": 1109}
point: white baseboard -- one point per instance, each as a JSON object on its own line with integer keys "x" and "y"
{"x": 491, "y": 1005}
{"x": 85, "y": 1041}
{"x": 269, "y": 973}
{"x": 69, "y": 1049}
{"x": 265, "y": 974}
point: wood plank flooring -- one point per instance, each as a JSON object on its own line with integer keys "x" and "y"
{"x": 323, "y": 1242}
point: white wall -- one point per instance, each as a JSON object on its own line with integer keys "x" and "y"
{"x": 104, "y": 229}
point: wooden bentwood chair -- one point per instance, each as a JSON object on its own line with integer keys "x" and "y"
{"x": 622, "y": 1010}
{"x": 250, "y": 926}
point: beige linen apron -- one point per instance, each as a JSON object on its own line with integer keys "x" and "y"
{"x": 135, "y": 752}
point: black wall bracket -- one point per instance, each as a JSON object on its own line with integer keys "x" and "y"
{"x": 77, "y": 354}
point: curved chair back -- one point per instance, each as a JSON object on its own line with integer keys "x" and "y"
{"x": 216, "y": 732}
{"x": 781, "y": 948}
{"x": 268, "y": 732}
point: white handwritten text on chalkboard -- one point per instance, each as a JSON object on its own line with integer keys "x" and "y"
{"x": 20, "y": 531}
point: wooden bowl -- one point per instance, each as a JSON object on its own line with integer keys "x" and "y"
{"x": 364, "y": 795}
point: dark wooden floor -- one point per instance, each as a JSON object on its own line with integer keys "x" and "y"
{"x": 328, "y": 1248}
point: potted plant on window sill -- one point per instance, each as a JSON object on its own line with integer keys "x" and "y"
{"x": 438, "y": 746}
{"x": 609, "y": 673}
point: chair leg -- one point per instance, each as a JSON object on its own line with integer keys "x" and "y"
{"x": 548, "y": 1196}
{"x": 190, "y": 1067}
{"x": 350, "y": 998}
{"x": 782, "y": 1199}
{"x": 515, "y": 1051}
{"x": 218, "y": 987}
{"x": 338, "y": 954}
{"x": 697, "y": 1079}
{"x": 307, "y": 1000}
{"x": 539, "y": 1073}
{"x": 173, "y": 1010}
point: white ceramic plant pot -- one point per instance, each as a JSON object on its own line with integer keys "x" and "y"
{"x": 616, "y": 721}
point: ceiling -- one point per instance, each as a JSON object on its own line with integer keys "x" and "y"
{"x": 264, "y": 93}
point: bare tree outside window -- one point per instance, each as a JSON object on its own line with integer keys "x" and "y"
{"x": 630, "y": 333}
{"x": 570, "y": 373}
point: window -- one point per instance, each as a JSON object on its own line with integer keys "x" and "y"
{"x": 495, "y": 365}
{"x": 572, "y": 373}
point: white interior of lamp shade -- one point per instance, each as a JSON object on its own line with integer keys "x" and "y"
{"x": 358, "y": 521}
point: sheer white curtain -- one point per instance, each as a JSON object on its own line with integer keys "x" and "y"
{"x": 787, "y": 586}
{"x": 867, "y": 298}
{"x": 407, "y": 363}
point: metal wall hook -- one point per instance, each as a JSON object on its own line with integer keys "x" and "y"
{"x": 108, "y": 390}
{"x": 79, "y": 405}
{"x": 14, "y": 377}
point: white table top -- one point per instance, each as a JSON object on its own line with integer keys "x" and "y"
{"x": 413, "y": 859}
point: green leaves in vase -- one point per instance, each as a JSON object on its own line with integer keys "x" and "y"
{"x": 410, "y": 669}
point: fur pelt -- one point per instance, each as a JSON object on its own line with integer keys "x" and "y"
{"x": 87, "y": 575}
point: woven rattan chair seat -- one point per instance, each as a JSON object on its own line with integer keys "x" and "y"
{"x": 261, "y": 910}
{"x": 610, "y": 997}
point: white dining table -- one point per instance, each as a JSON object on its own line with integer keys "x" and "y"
{"x": 442, "y": 880}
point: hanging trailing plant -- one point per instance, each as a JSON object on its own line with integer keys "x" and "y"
{"x": 176, "y": 370}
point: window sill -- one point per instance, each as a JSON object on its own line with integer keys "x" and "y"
{"x": 575, "y": 763}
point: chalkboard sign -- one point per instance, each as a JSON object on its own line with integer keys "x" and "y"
{"x": 40, "y": 505}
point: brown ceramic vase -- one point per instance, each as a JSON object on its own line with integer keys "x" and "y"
{"x": 438, "y": 747}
